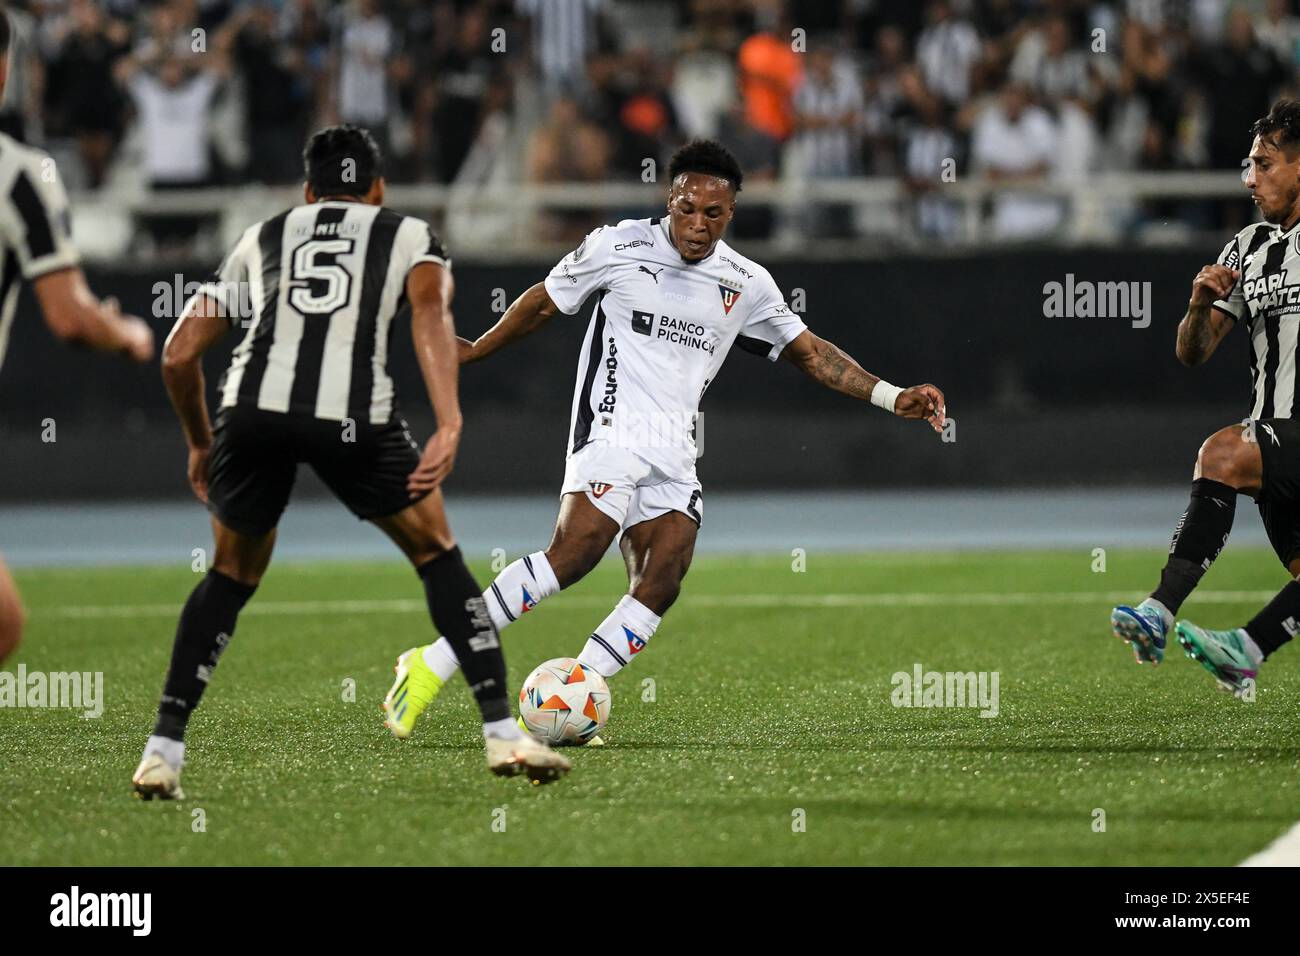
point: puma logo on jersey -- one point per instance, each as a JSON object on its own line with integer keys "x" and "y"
{"x": 653, "y": 275}
{"x": 598, "y": 488}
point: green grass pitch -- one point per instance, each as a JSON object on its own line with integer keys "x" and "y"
{"x": 771, "y": 695}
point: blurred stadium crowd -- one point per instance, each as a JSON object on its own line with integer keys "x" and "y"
{"x": 183, "y": 93}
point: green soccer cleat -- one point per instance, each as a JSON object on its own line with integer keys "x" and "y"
{"x": 413, "y": 690}
{"x": 1222, "y": 653}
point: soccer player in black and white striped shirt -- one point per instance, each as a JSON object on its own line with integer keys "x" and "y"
{"x": 35, "y": 247}
{"x": 1254, "y": 283}
{"x": 317, "y": 289}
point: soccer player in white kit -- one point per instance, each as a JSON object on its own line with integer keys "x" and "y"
{"x": 672, "y": 299}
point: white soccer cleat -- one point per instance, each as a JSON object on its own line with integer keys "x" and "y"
{"x": 523, "y": 754}
{"x": 155, "y": 777}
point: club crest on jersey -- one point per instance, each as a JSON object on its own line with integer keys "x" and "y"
{"x": 634, "y": 642}
{"x": 598, "y": 488}
{"x": 729, "y": 297}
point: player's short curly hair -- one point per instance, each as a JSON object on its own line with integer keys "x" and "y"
{"x": 709, "y": 157}
{"x": 1281, "y": 125}
{"x": 342, "y": 161}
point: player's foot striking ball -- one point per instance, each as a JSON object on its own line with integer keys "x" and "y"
{"x": 671, "y": 298}
{"x": 309, "y": 384}
{"x": 1249, "y": 284}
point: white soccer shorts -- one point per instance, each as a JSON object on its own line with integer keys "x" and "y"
{"x": 628, "y": 488}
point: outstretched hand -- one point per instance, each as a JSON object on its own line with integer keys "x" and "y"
{"x": 922, "y": 401}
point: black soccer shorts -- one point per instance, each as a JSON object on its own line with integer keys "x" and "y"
{"x": 256, "y": 453}
{"x": 1279, "y": 497}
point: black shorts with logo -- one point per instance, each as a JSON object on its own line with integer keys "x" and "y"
{"x": 256, "y": 453}
{"x": 1279, "y": 497}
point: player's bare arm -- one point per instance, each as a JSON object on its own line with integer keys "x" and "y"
{"x": 826, "y": 363}
{"x": 429, "y": 288}
{"x": 75, "y": 315}
{"x": 1204, "y": 326}
{"x": 200, "y": 326}
{"x": 526, "y": 315}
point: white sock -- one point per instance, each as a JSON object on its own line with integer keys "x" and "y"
{"x": 620, "y": 637}
{"x": 504, "y": 729}
{"x": 441, "y": 659}
{"x": 1252, "y": 649}
{"x": 172, "y": 751}
{"x": 1164, "y": 611}
{"x": 517, "y": 590}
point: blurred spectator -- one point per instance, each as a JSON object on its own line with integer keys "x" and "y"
{"x": 1279, "y": 29}
{"x": 947, "y": 50}
{"x": 1047, "y": 65}
{"x": 564, "y": 34}
{"x": 631, "y": 99}
{"x": 759, "y": 156}
{"x": 82, "y": 92}
{"x": 21, "y": 101}
{"x": 828, "y": 117}
{"x": 884, "y": 101}
{"x": 770, "y": 71}
{"x": 173, "y": 100}
{"x": 1015, "y": 142}
{"x": 930, "y": 151}
{"x": 1241, "y": 77}
{"x": 276, "y": 93}
{"x": 365, "y": 41}
{"x": 456, "y": 97}
{"x": 568, "y": 148}
{"x": 703, "y": 89}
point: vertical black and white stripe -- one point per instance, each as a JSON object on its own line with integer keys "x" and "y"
{"x": 563, "y": 34}
{"x": 1267, "y": 299}
{"x": 34, "y": 234}
{"x": 324, "y": 283}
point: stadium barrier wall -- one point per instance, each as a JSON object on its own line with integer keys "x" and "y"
{"x": 1039, "y": 393}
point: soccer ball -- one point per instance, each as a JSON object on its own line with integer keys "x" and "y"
{"x": 563, "y": 702}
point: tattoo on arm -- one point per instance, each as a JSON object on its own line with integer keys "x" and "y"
{"x": 834, "y": 368}
{"x": 1199, "y": 332}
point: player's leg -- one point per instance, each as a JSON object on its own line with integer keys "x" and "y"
{"x": 583, "y": 533}
{"x": 206, "y": 626}
{"x": 460, "y": 615}
{"x": 599, "y": 481}
{"x": 12, "y": 616}
{"x": 1229, "y": 463}
{"x": 1233, "y": 657}
{"x": 250, "y": 476}
{"x": 657, "y": 547}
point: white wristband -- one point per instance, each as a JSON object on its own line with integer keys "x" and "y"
{"x": 884, "y": 395}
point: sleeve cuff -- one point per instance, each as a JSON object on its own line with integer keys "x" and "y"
{"x": 786, "y": 338}
{"x": 561, "y": 301}
{"x": 1223, "y": 306}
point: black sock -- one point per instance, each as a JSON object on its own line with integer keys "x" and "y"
{"x": 1200, "y": 535}
{"x": 206, "y": 625}
{"x": 458, "y": 612}
{"x": 1278, "y": 622}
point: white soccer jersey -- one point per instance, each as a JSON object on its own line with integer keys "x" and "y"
{"x": 658, "y": 335}
{"x": 34, "y": 233}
